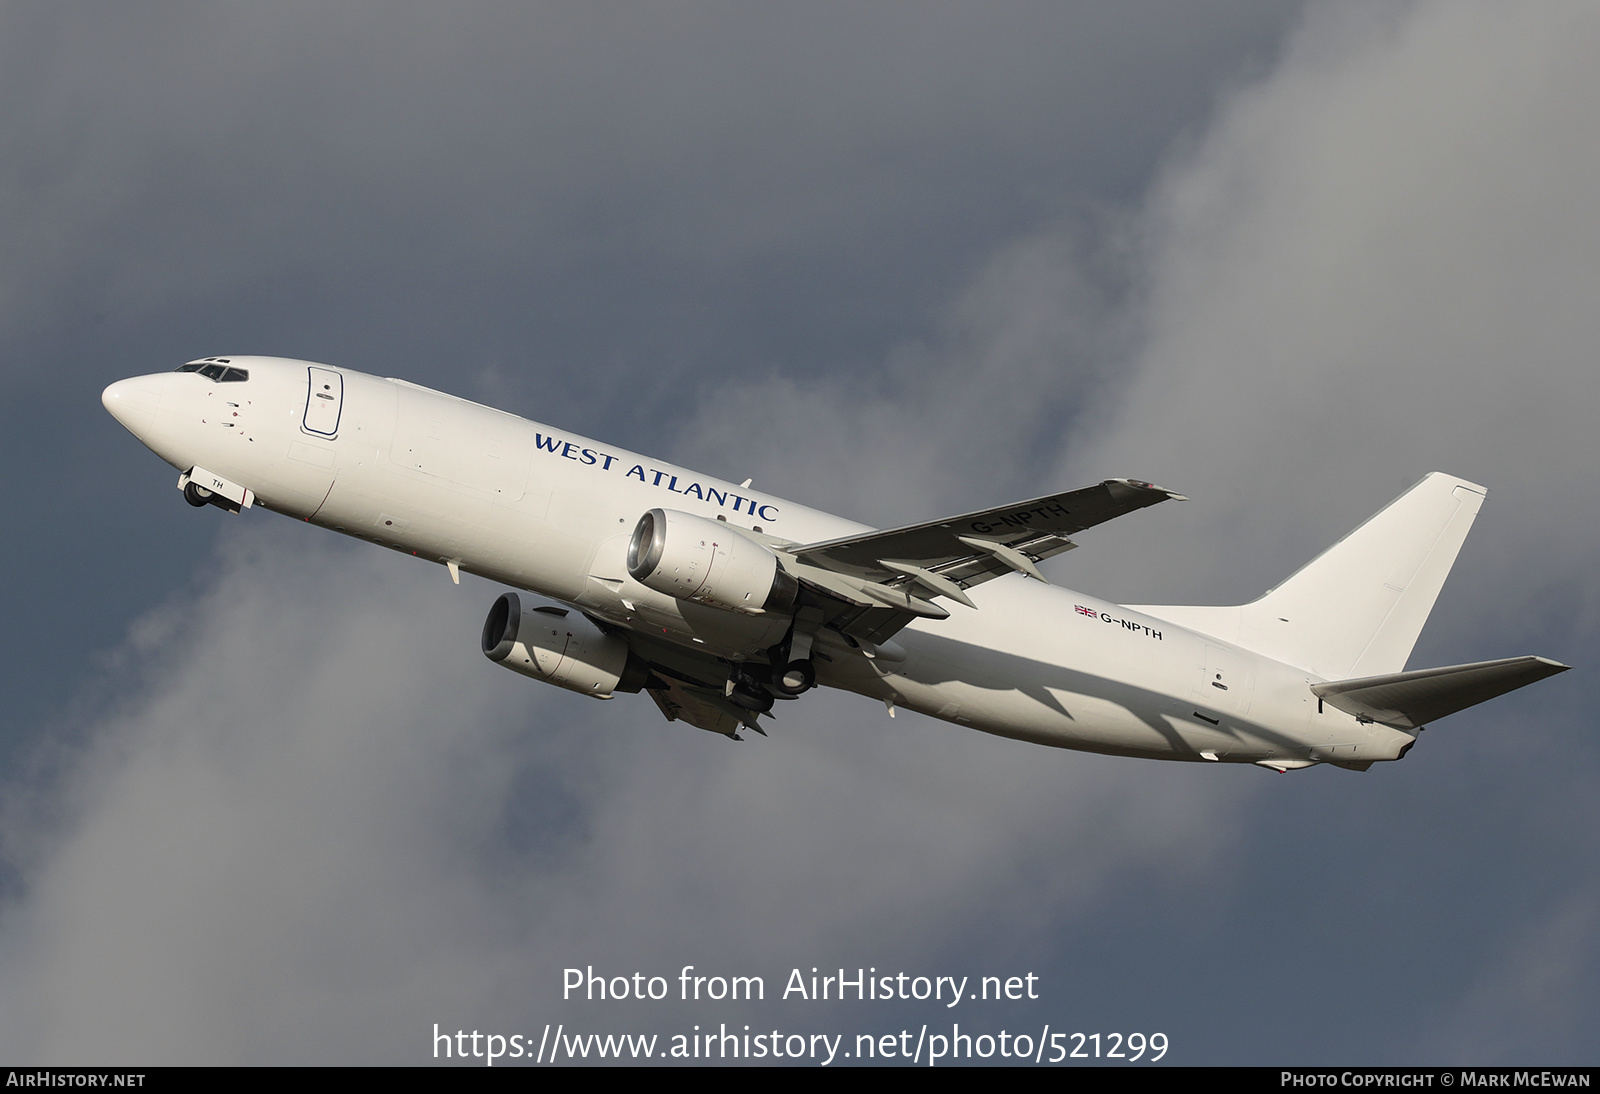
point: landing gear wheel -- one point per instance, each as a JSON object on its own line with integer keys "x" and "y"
{"x": 749, "y": 699}
{"x": 197, "y": 496}
{"x": 795, "y": 678}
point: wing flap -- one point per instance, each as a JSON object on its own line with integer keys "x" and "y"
{"x": 1411, "y": 699}
{"x": 702, "y": 708}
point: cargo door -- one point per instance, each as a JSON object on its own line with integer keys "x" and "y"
{"x": 324, "y": 402}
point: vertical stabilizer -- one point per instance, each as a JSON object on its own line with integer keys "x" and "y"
{"x": 1357, "y": 608}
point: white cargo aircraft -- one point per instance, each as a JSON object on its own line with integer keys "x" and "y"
{"x": 720, "y": 599}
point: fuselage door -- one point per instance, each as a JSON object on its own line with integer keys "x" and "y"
{"x": 324, "y": 402}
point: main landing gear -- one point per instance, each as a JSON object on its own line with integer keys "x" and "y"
{"x": 795, "y": 678}
{"x": 754, "y": 687}
{"x": 788, "y": 674}
{"x": 747, "y": 694}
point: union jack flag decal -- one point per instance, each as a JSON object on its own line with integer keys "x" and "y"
{"x": 1086, "y": 611}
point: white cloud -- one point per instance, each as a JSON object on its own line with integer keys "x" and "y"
{"x": 1380, "y": 262}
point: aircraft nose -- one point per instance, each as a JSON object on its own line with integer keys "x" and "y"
{"x": 134, "y": 402}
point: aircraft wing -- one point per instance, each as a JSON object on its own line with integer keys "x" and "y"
{"x": 890, "y": 575}
{"x": 702, "y": 707}
{"x": 688, "y": 686}
{"x": 1411, "y": 699}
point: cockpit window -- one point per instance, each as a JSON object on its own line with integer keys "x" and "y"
{"x": 220, "y": 374}
{"x": 212, "y": 368}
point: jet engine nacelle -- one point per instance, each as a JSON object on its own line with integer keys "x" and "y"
{"x": 708, "y": 562}
{"x": 560, "y": 647}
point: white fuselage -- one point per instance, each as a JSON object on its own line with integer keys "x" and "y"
{"x": 551, "y": 512}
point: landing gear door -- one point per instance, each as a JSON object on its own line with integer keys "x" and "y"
{"x": 324, "y": 402}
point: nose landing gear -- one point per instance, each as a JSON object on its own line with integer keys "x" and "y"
{"x": 218, "y": 491}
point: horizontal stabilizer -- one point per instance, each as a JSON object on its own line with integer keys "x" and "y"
{"x": 1411, "y": 699}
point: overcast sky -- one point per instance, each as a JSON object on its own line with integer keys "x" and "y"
{"x": 264, "y": 801}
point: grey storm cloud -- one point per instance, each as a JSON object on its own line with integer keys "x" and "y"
{"x": 300, "y": 819}
{"x": 563, "y": 167}
{"x": 320, "y": 829}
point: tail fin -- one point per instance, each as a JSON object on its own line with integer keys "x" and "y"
{"x": 1356, "y": 609}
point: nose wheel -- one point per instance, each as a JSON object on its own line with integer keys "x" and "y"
{"x": 197, "y": 496}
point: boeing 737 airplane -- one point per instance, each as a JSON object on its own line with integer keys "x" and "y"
{"x": 721, "y": 600}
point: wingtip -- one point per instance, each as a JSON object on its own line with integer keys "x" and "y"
{"x": 1140, "y": 484}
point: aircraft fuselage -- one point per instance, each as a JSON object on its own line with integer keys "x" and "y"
{"x": 550, "y": 512}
